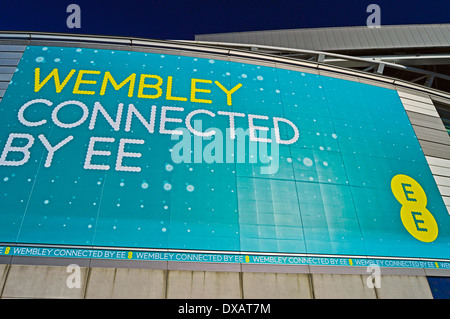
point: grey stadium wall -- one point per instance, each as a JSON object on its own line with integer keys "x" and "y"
{"x": 36, "y": 277}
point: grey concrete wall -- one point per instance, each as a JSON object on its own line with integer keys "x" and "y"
{"x": 404, "y": 287}
{"x": 182, "y": 284}
{"x": 122, "y": 283}
{"x": 341, "y": 286}
{"x": 32, "y": 281}
{"x": 276, "y": 286}
{"x": 44, "y": 281}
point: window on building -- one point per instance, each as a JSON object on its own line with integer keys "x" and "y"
{"x": 444, "y": 112}
{"x": 440, "y": 287}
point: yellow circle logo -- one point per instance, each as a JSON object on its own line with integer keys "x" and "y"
{"x": 416, "y": 218}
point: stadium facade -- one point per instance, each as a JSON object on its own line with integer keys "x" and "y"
{"x": 307, "y": 163}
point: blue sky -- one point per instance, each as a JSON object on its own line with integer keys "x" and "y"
{"x": 177, "y": 19}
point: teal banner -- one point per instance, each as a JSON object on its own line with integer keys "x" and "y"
{"x": 138, "y": 150}
{"x": 201, "y": 257}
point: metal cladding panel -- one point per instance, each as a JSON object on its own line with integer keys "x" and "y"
{"x": 259, "y": 38}
{"x": 442, "y": 35}
{"x": 433, "y": 138}
{"x": 362, "y": 38}
{"x": 432, "y": 135}
{"x": 323, "y": 40}
{"x": 446, "y": 31}
{"x": 372, "y": 38}
{"x": 299, "y": 40}
{"x": 445, "y": 191}
{"x": 425, "y": 120}
{"x": 332, "y": 42}
{"x": 315, "y": 38}
{"x": 268, "y": 37}
{"x": 431, "y": 34}
{"x": 251, "y": 38}
{"x": 420, "y": 97}
{"x": 291, "y": 40}
{"x": 439, "y": 162}
{"x": 7, "y": 69}
{"x": 377, "y": 40}
{"x": 393, "y": 36}
{"x": 402, "y": 34}
{"x": 9, "y": 59}
{"x": 307, "y": 40}
{"x": 442, "y": 180}
{"x": 441, "y": 171}
{"x": 412, "y": 37}
{"x": 283, "y": 40}
{"x": 9, "y": 62}
{"x": 425, "y": 37}
{"x": 10, "y": 55}
{"x": 347, "y": 38}
{"x": 435, "y": 149}
{"x": 384, "y": 35}
{"x": 354, "y": 38}
{"x": 12, "y": 48}
{"x": 418, "y": 103}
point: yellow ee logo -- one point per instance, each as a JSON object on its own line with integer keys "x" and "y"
{"x": 418, "y": 221}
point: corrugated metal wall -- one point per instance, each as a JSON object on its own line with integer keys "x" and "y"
{"x": 432, "y": 136}
{"x": 9, "y": 59}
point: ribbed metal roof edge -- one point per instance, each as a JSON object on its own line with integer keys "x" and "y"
{"x": 331, "y": 28}
{"x": 326, "y": 28}
{"x": 344, "y": 38}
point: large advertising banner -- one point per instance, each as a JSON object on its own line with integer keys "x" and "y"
{"x": 108, "y": 153}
